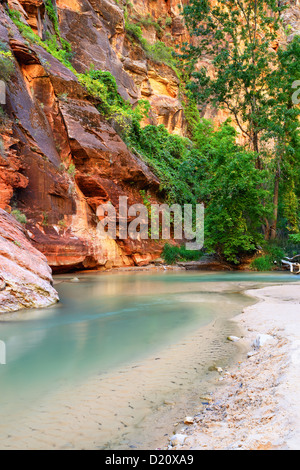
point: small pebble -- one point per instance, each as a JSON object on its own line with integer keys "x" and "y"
{"x": 188, "y": 420}
{"x": 234, "y": 339}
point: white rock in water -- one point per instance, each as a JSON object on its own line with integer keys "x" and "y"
{"x": 178, "y": 439}
{"x": 188, "y": 420}
{"x": 75, "y": 279}
{"x": 233, "y": 338}
{"x": 261, "y": 340}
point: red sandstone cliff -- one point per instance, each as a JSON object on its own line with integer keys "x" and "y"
{"x": 51, "y": 123}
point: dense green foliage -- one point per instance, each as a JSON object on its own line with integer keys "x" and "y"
{"x": 102, "y": 85}
{"x": 231, "y": 32}
{"x": 233, "y": 192}
{"x": 295, "y": 238}
{"x": 214, "y": 170}
{"x": 172, "y": 254}
{"x": 6, "y": 62}
{"x": 253, "y": 80}
{"x": 270, "y": 258}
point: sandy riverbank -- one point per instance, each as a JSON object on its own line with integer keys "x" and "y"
{"x": 257, "y": 404}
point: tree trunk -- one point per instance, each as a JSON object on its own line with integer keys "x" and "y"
{"x": 267, "y": 230}
{"x": 273, "y": 228}
{"x": 258, "y": 164}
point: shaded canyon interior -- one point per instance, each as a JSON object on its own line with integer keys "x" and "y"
{"x": 52, "y": 124}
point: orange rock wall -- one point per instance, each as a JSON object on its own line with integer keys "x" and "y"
{"x": 53, "y": 124}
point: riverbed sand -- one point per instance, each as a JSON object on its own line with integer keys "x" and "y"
{"x": 256, "y": 405}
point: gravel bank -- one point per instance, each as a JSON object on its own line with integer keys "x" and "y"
{"x": 256, "y": 405}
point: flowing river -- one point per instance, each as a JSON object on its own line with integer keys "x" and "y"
{"x": 121, "y": 359}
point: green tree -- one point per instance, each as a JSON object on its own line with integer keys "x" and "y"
{"x": 232, "y": 188}
{"x": 212, "y": 169}
{"x": 282, "y": 128}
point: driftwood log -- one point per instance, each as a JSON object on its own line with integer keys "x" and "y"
{"x": 292, "y": 263}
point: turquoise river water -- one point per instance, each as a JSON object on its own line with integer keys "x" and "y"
{"x": 141, "y": 343}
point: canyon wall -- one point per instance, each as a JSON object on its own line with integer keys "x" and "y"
{"x": 59, "y": 157}
{"x": 52, "y": 124}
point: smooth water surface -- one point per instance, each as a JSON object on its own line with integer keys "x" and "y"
{"x": 105, "y": 322}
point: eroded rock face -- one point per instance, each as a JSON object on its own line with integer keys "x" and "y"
{"x": 96, "y": 30}
{"x": 10, "y": 166}
{"x": 291, "y": 18}
{"x": 89, "y": 31}
{"x": 25, "y": 277}
{"x": 62, "y": 160}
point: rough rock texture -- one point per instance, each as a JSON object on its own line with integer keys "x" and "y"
{"x": 96, "y": 30}
{"x": 53, "y": 124}
{"x": 291, "y": 18}
{"x": 10, "y": 166}
{"x": 25, "y": 277}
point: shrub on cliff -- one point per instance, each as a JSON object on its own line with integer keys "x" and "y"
{"x": 102, "y": 85}
{"x": 24, "y": 29}
{"x": 159, "y": 52}
{"x": 6, "y": 62}
{"x": 19, "y": 216}
{"x": 54, "y": 44}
